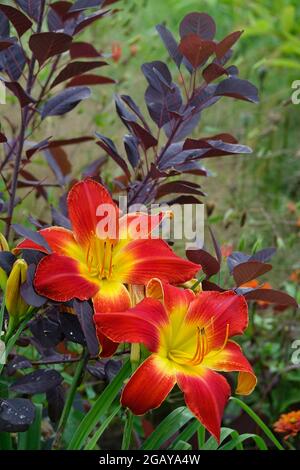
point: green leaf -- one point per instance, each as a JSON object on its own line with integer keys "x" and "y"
{"x": 167, "y": 428}
{"x": 31, "y": 439}
{"x": 187, "y": 433}
{"x": 211, "y": 443}
{"x": 99, "y": 409}
{"x": 181, "y": 445}
{"x": 93, "y": 441}
{"x": 236, "y": 441}
{"x": 287, "y": 18}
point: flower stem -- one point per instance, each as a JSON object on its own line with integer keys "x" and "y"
{"x": 70, "y": 398}
{"x": 127, "y": 430}
{"x": 258, "y": 421}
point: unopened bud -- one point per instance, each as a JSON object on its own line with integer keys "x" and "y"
{"x": 16, "y": 306}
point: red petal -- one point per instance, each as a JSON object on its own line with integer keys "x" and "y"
{"x": 216, "y": 310}
{"x": 137, "y": 325}
{"x": 148, "y": 387}
{"x": 58, "y": 278}
{"x": 112, "y": 296}
{"x": 206, "y": 396}
{"x": 231, "y": 359}
{"x": 84, "y": 199}
{"x": 141, "y": 260}
{"x": 174, "y": 299}
{"x": 59, "y": 239}
{"x": 108, "y": 347}
{"x": 139, "y": 225}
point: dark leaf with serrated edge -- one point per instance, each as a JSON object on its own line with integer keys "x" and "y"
{"x": 16, "y": 414}
{"x": 20, "y": 21}
{"x": 38, "y": 381}
{"x": 35, "y": 237}
{"x": 249, "y": 270}
{"x": 45, "y": 45}
{"x": 85, "y": 315}
{"x": 198, "y": 23}
{"x": 64, "y": 101}
{"x": 209, "y": 264}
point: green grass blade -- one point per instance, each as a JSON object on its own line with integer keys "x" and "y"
{"x": 187, "y": 433}
{"x": 258, "y": 421}
{"x": 31, "y": 439}
{"x": 93, "y": 441}
{"x": 211, "y": 443}
{"x": 100, "y": 408}
{"x": 167, "y": 428}
{"x": 182, "y": 445}
{"x": 235, "y": 442}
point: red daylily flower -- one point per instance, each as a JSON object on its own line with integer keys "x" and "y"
{"x": 86, "y": 264}
{"x": 189, "y": 338}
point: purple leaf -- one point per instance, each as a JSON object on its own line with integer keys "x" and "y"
{"x": 7, "y": 260}
{"x": 263, "y": 255}
{"x": 45, "y": 45}
{"x": 20, "y": 21}
{"x": 4, "y": 26}
{"x": 131, "y": 148}
{"x": 85, "y": 314}
{"x": 90, "y": 79}
{"x": 239, "y": 89}
{"x": 39, "y": 381}
{"x": 35, "y": 237}
{"x": 225, "y": 45}
{"x": 249, "y": 270}
{"x": 107, "y": 144}
{"x": 196, "y": 50}
{"x": 71, "y": 328}
{"x": 64, "y": 101}
{"x": 23, "y": 97}
{"x": 18, "y": 362}
{"x": 74, "y": 69}
{"x": 27, "y": 290}
{"x": 86, "y": 21}
{"x": 170, "y": 44}
{"x": 209, "y": 264}
{"x": 16, "y": 414}
{"x": 31, "y": 8}
{"x": 133, "y": 106}
{"x": 198, "y": 23}
{"x": 56, "y": 401}
{"x": 83, "y": 49}
{"x": 272, "y": 296}
{"x": 13, "y": 61}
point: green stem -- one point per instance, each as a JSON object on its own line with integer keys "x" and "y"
{"x": 70, "y": 398}
{"x": 258, "y": 421}
{"x": 127, "y": 431}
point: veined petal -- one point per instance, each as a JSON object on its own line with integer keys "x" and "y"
{"x": 141, "y": 260}
{"x": 59, "y": 278}
{"x": 206, "y": 396}
{"x": 232, "y": 359}
{"x": 148, "y": 387}
{"x": 59, "y": 239}
{"x": 214, "y": 311}
{"x": 112, "y": 296}
{"x": 140, "y": 324}
{"x": 89, "y": 203}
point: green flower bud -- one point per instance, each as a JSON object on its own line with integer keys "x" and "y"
{"x": 16, "y": 306}
{"x": 3, "y": 247}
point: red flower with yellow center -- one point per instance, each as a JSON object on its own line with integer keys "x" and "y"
{"x": 288, "y": 424}
{"x": 86, "y": 264}
{"x": 189, "y": 338}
